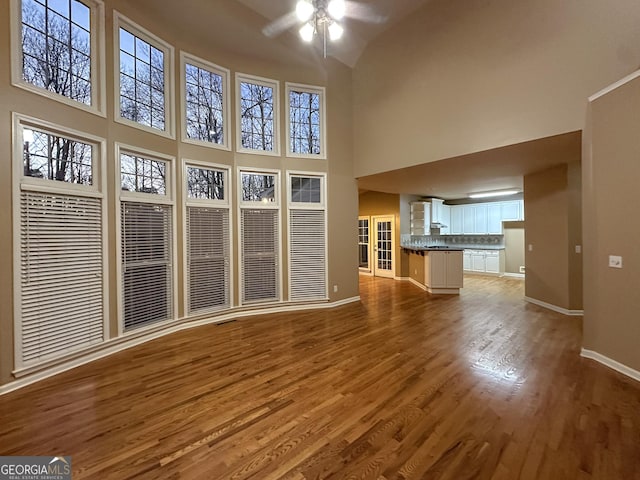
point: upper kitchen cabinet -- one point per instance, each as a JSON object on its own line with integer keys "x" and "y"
{"x": 484, "y": 218}
{"x": 425, "y": 215}
{"x": 420, "y": 218}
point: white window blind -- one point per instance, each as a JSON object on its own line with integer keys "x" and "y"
{"x": 147, "y": 270}
{"x": 260, "y": 263}
{"x": 307, "y": 258}
{"x": 62, "y": 307}
{"x": 208, "y": 250}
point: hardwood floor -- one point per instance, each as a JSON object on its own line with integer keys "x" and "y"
{"x": 403, "y": 385}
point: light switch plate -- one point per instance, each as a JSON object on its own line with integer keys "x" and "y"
{"x": 615, "y": 261}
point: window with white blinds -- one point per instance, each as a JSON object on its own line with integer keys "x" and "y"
{"x": 60, "y": 292}
{"x": 208, "y": 251}
{"x": 307, "y": 237}
{"x": 146, "y": 239}
{"x": 61, "y": 267}
{"x": 146, "y": 232}
{"x": 260, "y": 250}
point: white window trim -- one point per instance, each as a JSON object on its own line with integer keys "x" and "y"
{"x": 226, "y": 114}
{"x": 195, "y": 202}
{"x": 267, "y": 82}
{"x": 305, "y": 205}
{"x": 98, "y": 69}
{"x": 20, "y": 183}
{"x": 308, "y": 206}
{"x": 368, "y": 219}
{"x": 120, "y": 20}
{"x": 276, "y": 194}
{"x": 258, "y": 205}
{"x": 321, "y": 91}
{"x": 167, "y": 199}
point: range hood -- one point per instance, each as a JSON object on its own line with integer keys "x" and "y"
{"x": 437, "y": 207}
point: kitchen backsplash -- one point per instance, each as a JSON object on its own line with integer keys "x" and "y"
{"x": 459, "y": 241}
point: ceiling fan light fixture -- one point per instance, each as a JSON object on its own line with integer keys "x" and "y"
{"x": 335, "y": 31}
{"x": 336, "y": 9}
{"x": 304, "y": 10}
{"x": 306, "y": 32}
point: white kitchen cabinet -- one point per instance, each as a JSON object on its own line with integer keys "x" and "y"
{"x": 420, "y": 218}
{"x": 446, "y": 220}
{"x": 492, "y": 262}
{"x": 512, "y": 210}
{"x": 468, "y": 220}
{"x": 443, "y": 271}
{"x": 484, "y": 261}
{"x": 456, "y": 226}
{"x": 480, "y": 218}
{"x": 466, "y": 260}
{"x": 494, "y": 218}
{"x": 478, "y": 261}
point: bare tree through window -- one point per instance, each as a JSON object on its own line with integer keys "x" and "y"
{"x": 56, "y": 47}
{"x": 205, "y": 104}
{"x": 142, "y": 75}
{"x": 143, "y": 175}
{"x": 257, "y": 116}
{"x": 205, "y": 183}
{"x": 304, "y": 122}
{"x": 258, "y": 187}
{"x": 53, "y": 157}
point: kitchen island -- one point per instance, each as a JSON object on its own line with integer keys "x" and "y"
{"x": 436, "y": 269}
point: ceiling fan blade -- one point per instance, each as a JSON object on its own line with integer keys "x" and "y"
{"x": 364, "y": 13}
{"x": 281, "y": 24}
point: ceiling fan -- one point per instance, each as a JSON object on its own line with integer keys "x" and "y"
{"x": 322, "y": 17}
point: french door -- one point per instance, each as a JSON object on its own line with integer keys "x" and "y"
{"x": 383, "y": 247}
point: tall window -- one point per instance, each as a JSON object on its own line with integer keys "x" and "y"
{"x": 363, "y": 242}
{"x": 205, "y": 102}
{"x": 208, "y": 246}
{"x": 146, "y": 239}
{"x": 305, "y": 121}
{"x": 259, "y": 237}
{"x": 60, "y": 50}
{"x": 60, "y": 297}
{"x": 144, "y": 80}
{"x": 258, "y": 115}
{"x": 307, "y": 237}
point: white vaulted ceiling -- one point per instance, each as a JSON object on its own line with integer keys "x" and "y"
{"x": 357, "y": 33}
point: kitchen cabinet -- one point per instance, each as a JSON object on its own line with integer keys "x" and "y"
{"x": 494, "y": 218}
{"x": 512, "y": 210}
{"x": 445, "y": 220}
{"x": 480, "y": 218}
{"x": 420, "y": 218}
{"x": 456, "y": 226}
{"x": 468, "y": 220}
{"x": 443, "y": 271}
{"x": 478, "y": 261}
{"x": 492, "y": 262}
{"x": 466, "y": 260}
{"x": 484, "y": 261}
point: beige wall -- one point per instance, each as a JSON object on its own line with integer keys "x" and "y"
{"x": 611, "y": 174}
{"x": 271, "y": 59}
{"x": 375, "y": 204}
{"x": 462, "y": 77}
{"x": 553, "y": 273}
{"x": 514, "y": 246}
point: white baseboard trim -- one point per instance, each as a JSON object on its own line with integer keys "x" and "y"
{"x": 417, "y": 284}
{"x": 607, "y": 362}
{"x": 402, "y": 279}
{"x": 514, "y": 275}
{"x": 368, "y": 273}
{"x": 555, "y": 308}
{"x": 34, "y": 374}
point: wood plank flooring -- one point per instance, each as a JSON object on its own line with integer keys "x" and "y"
{"x": 403, "y": 385}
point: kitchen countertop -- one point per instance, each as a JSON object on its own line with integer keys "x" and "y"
{"x": 433, "y": 249}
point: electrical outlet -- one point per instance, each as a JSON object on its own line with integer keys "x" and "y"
{"x": 615, "y": 261}
{"x": 335, "y": 288}
{"x": 578, "y": 248}
{"x": 531, "y": 247}
{"x": 521, "y": 268}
